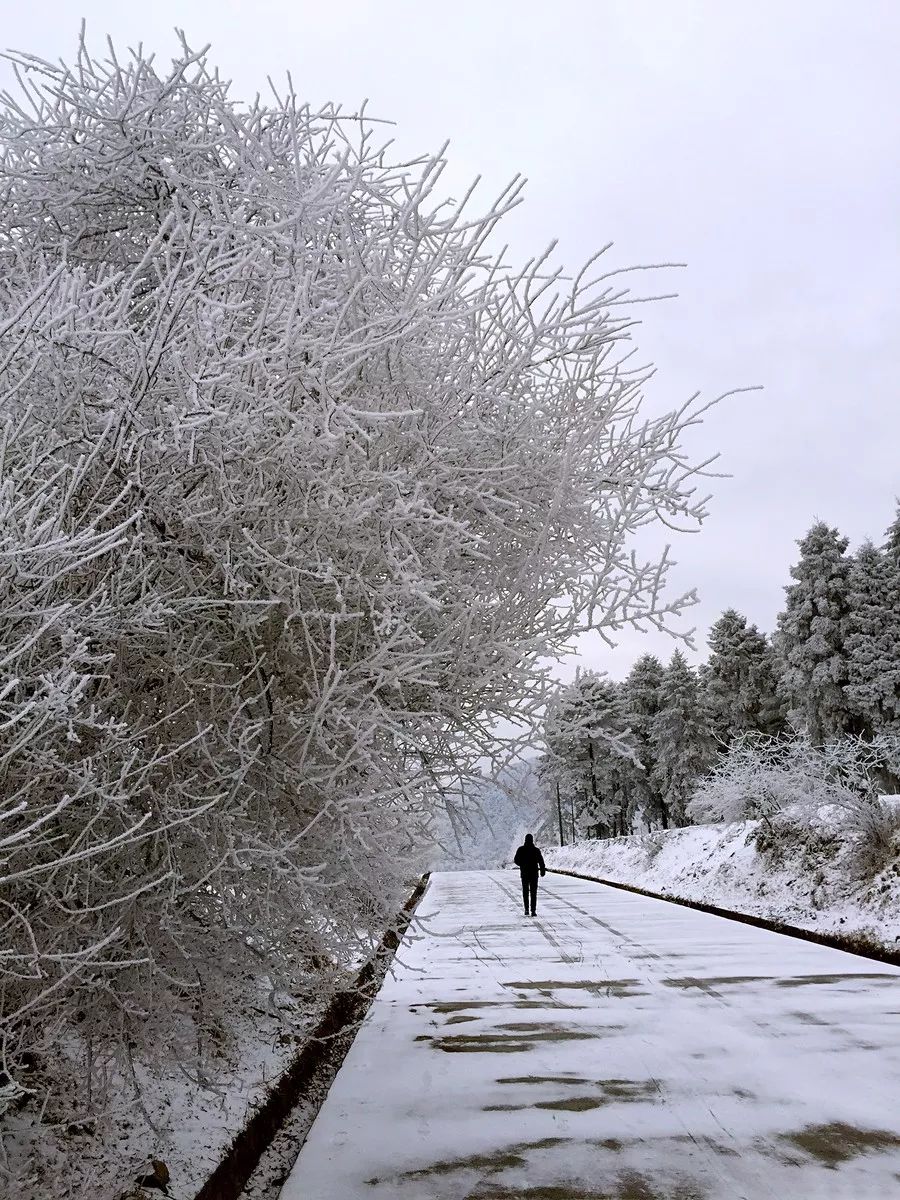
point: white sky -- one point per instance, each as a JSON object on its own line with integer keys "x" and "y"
{"x": 757, "y": 142}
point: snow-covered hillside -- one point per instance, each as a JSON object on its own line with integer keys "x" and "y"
{"x": 806, "y": 873}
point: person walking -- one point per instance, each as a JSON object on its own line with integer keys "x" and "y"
{"x": 530, "y": 861}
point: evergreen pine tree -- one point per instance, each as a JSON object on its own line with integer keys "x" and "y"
{"x": 641, "y": 693}
{"x": 892, "y": 534}
{"x": 810, "y": 638}
{"x": 587, "y": 737}
{"x": 681, "y": 740}
{"x": 872, "y": 638}
{"x": 608, "y": 748}
{"x": 741, "y": 681}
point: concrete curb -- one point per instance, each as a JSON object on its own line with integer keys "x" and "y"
{"x": 851, "y": 945}
{"x": 345, "y": 1008}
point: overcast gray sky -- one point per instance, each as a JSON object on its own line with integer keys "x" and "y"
{"x": 756, "y": 142}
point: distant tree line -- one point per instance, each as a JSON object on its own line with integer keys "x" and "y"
{"x": 625, "y": 756}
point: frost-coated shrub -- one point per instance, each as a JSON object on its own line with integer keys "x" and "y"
{"x": 293, "y": 479}
{"x": 876, "y": 821}
{"x": 831, "y": 790}
{"x": 757, "y": 777}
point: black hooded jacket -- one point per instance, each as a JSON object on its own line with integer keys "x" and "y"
{"x": 528, "y": 858}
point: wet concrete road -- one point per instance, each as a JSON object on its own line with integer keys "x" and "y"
{"x": 615, "y": 1047}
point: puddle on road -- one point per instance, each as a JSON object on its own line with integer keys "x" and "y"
{"x": 617, "y": 1089}
{"x": 634, "y": 1185}
{"x": 455, "y": 1006}
{"x": 611, "y": 1091}
{"x": 544, "y": 1079}
{"x": 707, "y": 981}
{"x": 704, "y": 981}
{"x": 501, "y": 1160}
{"x": 628, "y": 1185}
{"x": 553, "y": 1192}
{"x": 575, "y": 1104}
{"x": 484, "y": 1044}
{"x": 502, "y": 1043}
{"x": 838, "y": 1143}
{"x": 624, "y": 1184}
{"x": 458, "y": 1006}
{"x": 544, "y": 1004}
{"x": 803, "y": 980}
{"x": 527, "y": 1026}
{"x": 630, "y": 1089}
{"x": 620, "y": 988}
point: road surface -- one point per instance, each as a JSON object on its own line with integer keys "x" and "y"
{"x": 617, "y": 1047}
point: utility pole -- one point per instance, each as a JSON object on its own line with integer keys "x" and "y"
{"x": 559, "y": 813}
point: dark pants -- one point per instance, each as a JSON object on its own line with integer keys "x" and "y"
{"x": 529, "y": 889}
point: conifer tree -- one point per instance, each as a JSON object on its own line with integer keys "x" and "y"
{"x": 681, "y": 741}
{"x": 641, "y": 693}
{"x": 892, "y": 534}
{"x": 872, "y": 639}
{"x": 741, "y": 681}
{"x": 588, "y": 738}
{"x": 614, "y": 759}
{"x": 810, "y": 638}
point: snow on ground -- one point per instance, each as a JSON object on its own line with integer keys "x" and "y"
{"x": 615, "y": 1046}
{"x": 803, "y": 874}
{"x": 170, "y": 1111}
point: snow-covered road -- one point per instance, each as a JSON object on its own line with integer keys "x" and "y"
{"x": 615, "y": 1046}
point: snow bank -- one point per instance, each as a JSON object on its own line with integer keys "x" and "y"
{"x": 803, "y": 873}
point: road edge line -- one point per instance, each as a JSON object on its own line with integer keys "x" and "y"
{"x": 849, "y": 944}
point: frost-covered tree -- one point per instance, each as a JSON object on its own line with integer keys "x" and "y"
{"x": 872, "y": 639}
{"x": 641, "y": 694}
{"x": 612, "y": 760}
{"x": 741, "y": 680}
{"x": 302, "y": 490}
{"x": 892, "y": 537}
{"x": 590, "y": 748}
{"x": 681, "y": 741}
{"x": 756, "y": 777}
{"x": 810, "y": 637}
